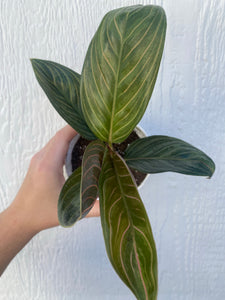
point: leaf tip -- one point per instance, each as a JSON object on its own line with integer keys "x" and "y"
{"x": 33, "y": 60}
{"x": 34, "y": 63}
{"x": 211, "y": 168}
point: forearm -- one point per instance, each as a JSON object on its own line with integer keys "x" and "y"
{"x": 15, "y": 233}
{"x": 35, "y": 206}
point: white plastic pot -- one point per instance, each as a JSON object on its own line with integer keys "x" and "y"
{"x": 68, "y": 162}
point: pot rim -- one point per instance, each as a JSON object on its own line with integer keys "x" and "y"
{"x": 68, "y": 165}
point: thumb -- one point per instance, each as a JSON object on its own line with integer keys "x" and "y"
{"x": 57, "y": 147}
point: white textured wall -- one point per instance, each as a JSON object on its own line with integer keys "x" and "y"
{"x": 187, "y": 213}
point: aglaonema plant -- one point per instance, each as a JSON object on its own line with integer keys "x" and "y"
{"x": 104, "y": 104}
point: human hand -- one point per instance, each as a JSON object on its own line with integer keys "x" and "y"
{"x": 38, "y": 196}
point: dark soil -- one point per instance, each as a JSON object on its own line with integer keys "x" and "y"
{"x": 82, "y": 143}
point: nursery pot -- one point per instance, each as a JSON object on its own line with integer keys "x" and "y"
{"x": 78, "y": 144}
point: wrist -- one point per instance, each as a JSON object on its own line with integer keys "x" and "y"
{"x": 15, "y": 233}
{"x": 21, "y": 219}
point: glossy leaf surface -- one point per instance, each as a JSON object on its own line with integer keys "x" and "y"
{"x": 91, "y": 167}
{"x": 120, "y": 70}
{"x": 69, "y": 204}
{"x": 128, "y": 237}
{"x": 62, "y": 86}
{"x": 156, "y": 154}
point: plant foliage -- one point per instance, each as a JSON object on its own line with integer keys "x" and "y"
{"x": 104, "y": 104}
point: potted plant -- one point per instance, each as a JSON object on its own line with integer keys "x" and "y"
{"x": 78, "y": 145}
{"x": 104, "y": 104}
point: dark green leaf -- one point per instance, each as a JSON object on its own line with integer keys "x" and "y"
{"x": 69, "y": 204}
{"x": 160, "y": 153}
{"x": 120, "y": 70}
{"x": 126, "y": 228}
{"x": 62, "y": 86}
{"x": 91, "y": 167}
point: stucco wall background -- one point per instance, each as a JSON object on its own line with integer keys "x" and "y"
{"x": 187, "y": 213}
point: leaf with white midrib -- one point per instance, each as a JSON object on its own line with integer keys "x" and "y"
{"x": 127, "y": 232}
{"x": 120, "y": 70}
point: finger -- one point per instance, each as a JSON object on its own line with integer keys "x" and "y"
{"x": 67, "y": 133}
{"x": 95, "y": 211}
{"x": 56, "y": 149}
